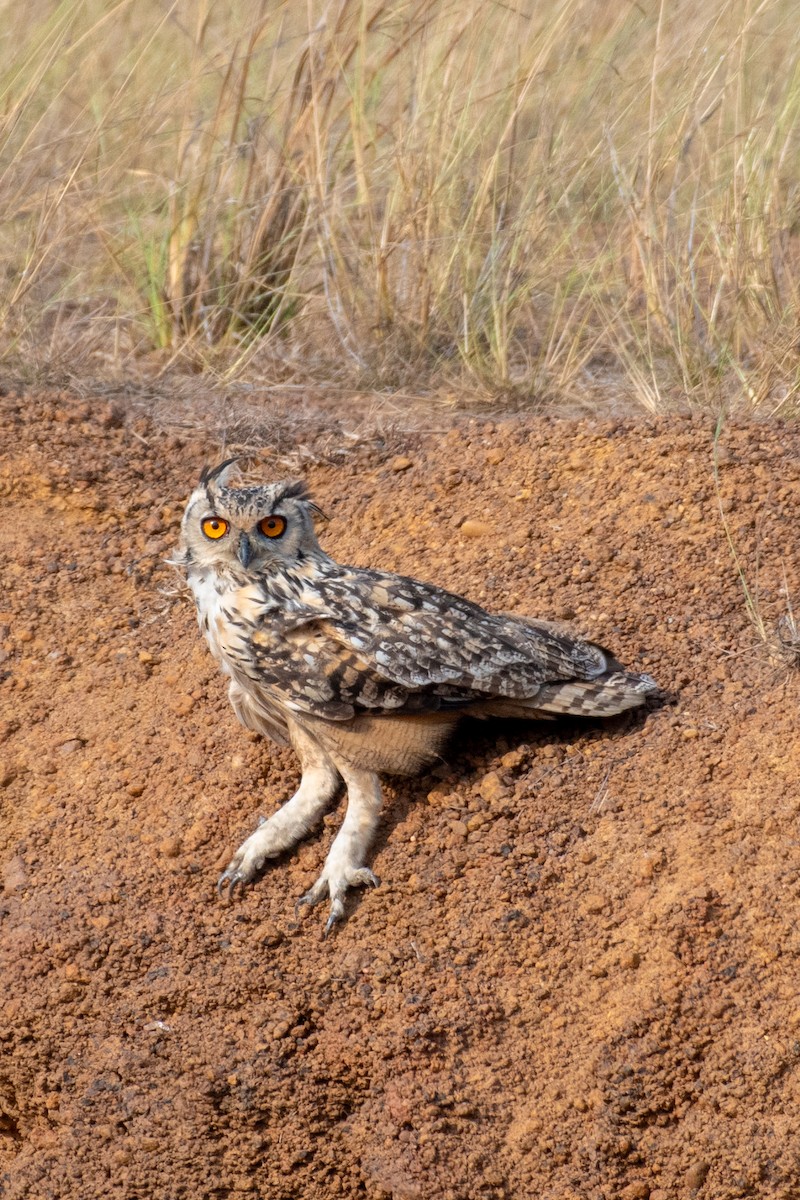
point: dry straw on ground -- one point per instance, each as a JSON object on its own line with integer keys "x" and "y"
{"x": 527, "y": 201}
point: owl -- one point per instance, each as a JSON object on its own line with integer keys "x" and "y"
{"x": 363, "y": 672}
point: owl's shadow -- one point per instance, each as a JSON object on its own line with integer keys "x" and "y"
{"x": 477, "y": 748}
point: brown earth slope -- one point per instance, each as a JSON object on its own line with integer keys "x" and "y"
{"x": 579, "y": 978}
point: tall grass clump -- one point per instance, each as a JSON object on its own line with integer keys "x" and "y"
{"x": 562, "y": 199}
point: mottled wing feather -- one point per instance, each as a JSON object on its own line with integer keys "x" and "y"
{"x": 418, "y": 635}
{"x": 377, "y": 642}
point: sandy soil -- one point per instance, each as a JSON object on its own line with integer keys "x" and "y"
{"x": 579, "y": 978}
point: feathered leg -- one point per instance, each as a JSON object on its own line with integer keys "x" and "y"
{"x": 344, "y": 867}
{"x": 318, "y": 785}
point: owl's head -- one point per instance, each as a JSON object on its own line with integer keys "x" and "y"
{"x": 261, "y": 528}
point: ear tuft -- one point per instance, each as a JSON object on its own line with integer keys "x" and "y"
{"x": 209, "y": 474}
{"x": 292, "y": 490}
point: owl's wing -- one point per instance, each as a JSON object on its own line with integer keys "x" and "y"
{"x": 378, "y": 642}
{"x": 421, "y": 637}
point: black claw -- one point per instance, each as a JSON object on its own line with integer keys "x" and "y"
{"x": 329, "y": 924}
{"x": 227, "y": 885}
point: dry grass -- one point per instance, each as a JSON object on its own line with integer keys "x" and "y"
{"x": 777, "y": 637}
{"x": 524, "y": 201}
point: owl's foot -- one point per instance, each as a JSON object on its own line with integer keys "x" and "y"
{"x": 335, "y": 884}
{"x": 343, "y": 868}
{"x": 288, "y": 825}
{"x": 245, "y": 864}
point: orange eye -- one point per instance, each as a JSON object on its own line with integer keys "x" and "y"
{"x": 214, "y": 527}
{"x": 272, "y": 526}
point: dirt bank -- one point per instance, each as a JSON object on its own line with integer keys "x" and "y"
{"x": 579, "y": 976}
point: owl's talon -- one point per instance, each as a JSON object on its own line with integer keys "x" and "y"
{"x": 336, "y": 915}
{"x": 228, "y": 883}
{"x": 314, "y": 894}
{"x": 337, "y": 889}
{"x": 365, "y": 877}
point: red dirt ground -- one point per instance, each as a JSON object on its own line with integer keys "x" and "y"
{"x": 579, "y": 978}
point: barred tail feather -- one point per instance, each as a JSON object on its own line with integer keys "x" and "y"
{"x": 599, "y": 697}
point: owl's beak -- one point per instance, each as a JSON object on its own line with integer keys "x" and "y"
{"x": 244, "y": 550}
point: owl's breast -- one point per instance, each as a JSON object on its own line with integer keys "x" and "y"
{"x": 210, "y": 596}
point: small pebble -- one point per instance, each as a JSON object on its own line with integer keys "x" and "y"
{"x": 268, "y": 934}
{"x": 696, "y": 1174}
{"x": 638, "y": 1190}
{"x": 648, "y": 866}
{"x": 171, "y": 847}
{"x": 492, "y": 788}
{"x": 476, "y": 529}
{"x": 438, "y": 795}
{"x": 69, "y": 747}
{"x": 14, "y": 875}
